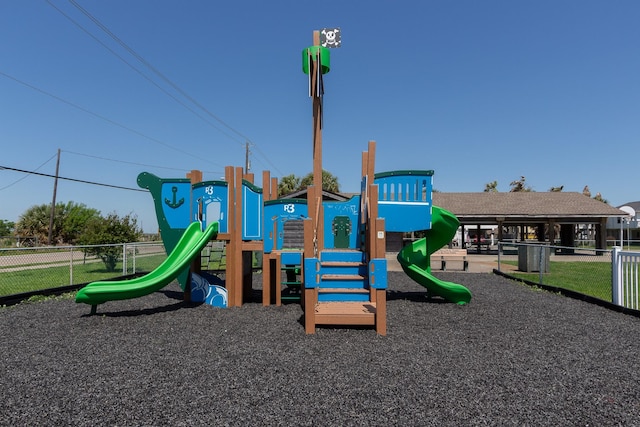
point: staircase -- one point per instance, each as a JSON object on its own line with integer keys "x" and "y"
{"x": 291, "y": 265}
{"x": 341, "y": 288}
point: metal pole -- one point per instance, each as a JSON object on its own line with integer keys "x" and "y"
{"x": 124, "y": 259}
{"x": 71, "y": 267}
{"x": 616, "y": 291}
{"x": 622, "y": 232}
{"x": 53, "y": 202}
{"x": 541, "y": 264}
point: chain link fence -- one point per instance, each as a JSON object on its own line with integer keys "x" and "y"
{"x": 24, "y": 270}
{"x": 582, "y": 270}
{"x": 587, "y": 271}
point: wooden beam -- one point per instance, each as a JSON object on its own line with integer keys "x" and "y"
{"x": 266, "y": 279}
{"x": 237, "y": 238}
{"x": 230, "y": 273}
{"x": 310, "y": 298}
{"x": 381, "y": 312}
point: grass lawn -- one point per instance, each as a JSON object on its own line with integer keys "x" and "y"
{"x": 26, "y": 280}
{"x": 589, "y": 278}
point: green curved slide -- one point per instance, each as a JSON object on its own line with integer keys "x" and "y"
{"x": 415, "y": 258}
{"x": 189, "y": 246}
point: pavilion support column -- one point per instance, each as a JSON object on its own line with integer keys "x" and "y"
{"x": 463, "y": 242}
{"x": 552, "y": 231}
{"x": 601, "y": 238}
{"x": 500, "y": 222}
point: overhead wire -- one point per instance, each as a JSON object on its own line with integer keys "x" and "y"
{"x": 77, "y": 24}
{"x": 25, "y": 177}
{"x": 146, "y": 63}
{"x": 150, "y": 66}
{"x": 72, "y": 179}
{"x": 113, "y": 122}
{"x": 134, "y": 163}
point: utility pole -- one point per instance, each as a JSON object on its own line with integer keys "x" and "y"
{"x": 53, "y": 202}
{"x": 247, "y": 163}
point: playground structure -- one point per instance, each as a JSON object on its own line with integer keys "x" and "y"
{"x": 331, "y": 254}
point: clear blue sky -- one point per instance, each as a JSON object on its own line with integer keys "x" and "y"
{"x": 476, "y": 90}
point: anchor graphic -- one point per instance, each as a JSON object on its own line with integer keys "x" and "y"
{"x": 175, "y": 203}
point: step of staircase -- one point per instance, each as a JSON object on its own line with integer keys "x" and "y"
{"x": 345, "y": 313}
{"x": 343, "y": 295}
{"x": 341, "y": 276}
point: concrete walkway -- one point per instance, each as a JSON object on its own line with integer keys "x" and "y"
{"x": 483, "y": 263}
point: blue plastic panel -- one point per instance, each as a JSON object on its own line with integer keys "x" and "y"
{"x": 349, "y": 209}
{"x": 276, "y": 213}
{"x": 175, "y": 199}
{"x": 252, "y": 212}
{"x": 211, "y": 201}
{"x": 404, "y": 200}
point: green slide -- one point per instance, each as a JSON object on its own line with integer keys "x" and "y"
{"x": 415, "y": 257}
{"x": 189, "y": 246}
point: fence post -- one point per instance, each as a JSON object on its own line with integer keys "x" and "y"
{"x": 499, "y": 251}
{"x": 616, "y": 277}
{"x": 541, "y": 262}
{"x": 133, "y": 255}
{"x": 71, "y": 267}
{"x": 124, "y": 259}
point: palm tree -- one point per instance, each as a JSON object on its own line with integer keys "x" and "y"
{"x": 329, "y": 181}
{"x": 288, "y": 184}
{"x": 519, "y": 185}
{"x": 292, "y": 183}
{"x": 491, "y": 187}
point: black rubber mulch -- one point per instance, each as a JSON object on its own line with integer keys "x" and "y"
{"x": 514, "y": 356}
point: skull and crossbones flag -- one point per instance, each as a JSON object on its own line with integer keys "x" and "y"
{"x": 330, "y": 37}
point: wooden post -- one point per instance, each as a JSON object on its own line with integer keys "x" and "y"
{"x": 237, "y": 239}
{"x": 266, "y": 279}
{"x": 266, "y": 186}
{"x": 230, "y": 274}
{"x": 317, "y": 213}
{"x": 381, "y": 311}
{"x": 274, "y": 188}
{"x": 371, "y": 161}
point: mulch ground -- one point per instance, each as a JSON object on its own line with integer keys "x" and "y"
{"x": 514, "y": 356}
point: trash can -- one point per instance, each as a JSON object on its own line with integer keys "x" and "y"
{"x": 533, "y": 258}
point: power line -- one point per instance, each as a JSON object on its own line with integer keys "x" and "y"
{"x": 25, "y": 177}
{"x": 146, "y": 63}
{"x": 72, "y": 179}
{"x": 64, "y": 101}
{"x": 139, "y": 57}
{"x": 136, "y": 163}
{"x": 77, "y": 24}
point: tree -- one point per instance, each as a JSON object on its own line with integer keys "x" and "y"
{"x": 110, "y": 230}
{"x": 34, "y": 222}
{"x": 74, "y": 218}
{"x": 599, "y": 198}
{"x": 68, "y": 222}
{"x": 6, "y": 228}
{"x": 292, "y": 183}
{"x": 491, "y": 187}
{"x": 288, "y": 184}
{"x": 329, "y": 181}
{"x": 519, "y": 185}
